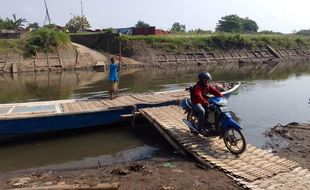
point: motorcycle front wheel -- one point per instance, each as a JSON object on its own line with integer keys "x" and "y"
{"x": 234, "y": 141}
{"x": 193, "y": 119}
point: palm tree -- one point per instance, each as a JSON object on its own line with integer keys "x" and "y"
{"x": 18, "y": 23}
{"x": 12, "y": 24}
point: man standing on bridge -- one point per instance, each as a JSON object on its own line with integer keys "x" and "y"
{"x": 113, "y": 77}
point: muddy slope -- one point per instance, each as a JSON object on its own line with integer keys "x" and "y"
{"x": 291, "y": 141}
{"x": 169, "y": 171}
{"x": 72, "y": 57}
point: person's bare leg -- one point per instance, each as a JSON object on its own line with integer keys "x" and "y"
{"x": 111, "y": 94}
{"x": 116, "y": 90}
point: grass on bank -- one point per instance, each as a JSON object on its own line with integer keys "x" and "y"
{"x": 10, "y": 45}
{"x": 40, "y": 40}
{"x": 45, "y": 39}
{"x": 221, "y": 41}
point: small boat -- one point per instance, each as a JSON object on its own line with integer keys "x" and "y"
{"x": 227, "y": 88}
{"x": 46, "y": 116}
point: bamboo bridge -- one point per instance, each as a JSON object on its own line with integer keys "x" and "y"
{"x": 254, "y": 169}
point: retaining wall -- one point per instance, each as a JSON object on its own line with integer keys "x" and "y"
{"x": 69, "y": 58}
{"x": 153, "y": 57}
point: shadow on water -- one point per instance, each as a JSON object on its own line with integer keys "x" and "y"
{"x": 258, "y": 105}
{"x": 81, "y": 147}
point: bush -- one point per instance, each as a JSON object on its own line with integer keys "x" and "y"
{"x": 45, "y": 39}
{"x": 10, "y": 45}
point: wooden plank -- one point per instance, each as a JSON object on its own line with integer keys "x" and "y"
{"x": 184, "y": 54}
{"x": 165, "y": 57}
{"x": 168, "y": 138}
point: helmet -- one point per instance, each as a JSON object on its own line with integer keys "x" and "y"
{"x": 204, "y": 76}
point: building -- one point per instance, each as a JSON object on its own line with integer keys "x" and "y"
{"x": 149, "y": 31}
{"x": 10, "y": 34}
{"x": 140, "y": 31}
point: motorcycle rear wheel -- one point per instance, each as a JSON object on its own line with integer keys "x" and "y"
{"x": 234, "y": 141}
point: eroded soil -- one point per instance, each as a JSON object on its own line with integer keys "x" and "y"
{"x": 291, "y": 141}
{"x": 162, "y": 172}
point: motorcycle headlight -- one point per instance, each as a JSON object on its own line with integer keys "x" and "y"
{"x": 222, "y": 102}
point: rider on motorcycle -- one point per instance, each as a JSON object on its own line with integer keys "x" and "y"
{"x": 199, "y": 99}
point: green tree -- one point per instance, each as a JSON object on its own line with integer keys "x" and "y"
{"x": 2, "y": 24}
{"x": 18, "y": 22}
{"x": 303, "y": 32}
{"x": 77, "y": 23}
{"x": 142, "y": 24}
{"x": 230, "y": 23}
{"x": 249, "y": 25}
{"x": 33, "y": 26}
{"x": 234, "y": 23}
{"x": 12, "y": 24}
{"x": 177, "y": 27}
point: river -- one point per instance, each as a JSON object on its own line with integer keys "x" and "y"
{"x": 268, "y": 96}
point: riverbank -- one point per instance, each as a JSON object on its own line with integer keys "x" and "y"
{"x": 218, "y": 48}
{"x": 167, "y": 170}
{"x": 291, "y": 141}
{"x": 92, "y": 52}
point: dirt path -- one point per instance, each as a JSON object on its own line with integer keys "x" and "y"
{"x": 99, "y": 57}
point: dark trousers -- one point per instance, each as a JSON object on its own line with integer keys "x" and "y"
{"x": 201, "y": 112}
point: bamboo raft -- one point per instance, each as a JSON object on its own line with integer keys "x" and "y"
{"x": 254, "y": 169}
{"x": 84, "y": 105}
{"x": 37, "y": 117}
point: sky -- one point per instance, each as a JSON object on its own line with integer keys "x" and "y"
{"x": 283, "y": 16}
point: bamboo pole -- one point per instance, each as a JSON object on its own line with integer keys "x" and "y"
{"x": 119, "y": 61}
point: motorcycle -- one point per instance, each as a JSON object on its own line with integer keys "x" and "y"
{"x": 219, "y": 123}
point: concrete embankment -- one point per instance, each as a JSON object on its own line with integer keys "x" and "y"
{"x": 73, "y": 57}
{"x": 155, "y": 54}
{"x": 152, "y": 57}
{"x": 84, "y": 55}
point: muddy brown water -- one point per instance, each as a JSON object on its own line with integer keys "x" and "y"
{"x": 269, "y": 95}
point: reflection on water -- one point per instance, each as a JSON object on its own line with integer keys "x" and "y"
{"x": 106, "y": 144}
{"x": 54, "y": 86}
{"x": 264, "y": 103}
{"x": 270, "y": 94}
{"x": 38, "y": 86}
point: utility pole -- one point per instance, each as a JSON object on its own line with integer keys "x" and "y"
{"x": 82, "y": 16}
{"x": 47, "y": 16}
